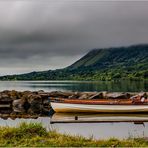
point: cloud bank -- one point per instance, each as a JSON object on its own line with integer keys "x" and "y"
{"x": 41, "y": 35}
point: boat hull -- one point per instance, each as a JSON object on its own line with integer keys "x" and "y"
{"x": 78, "y": 108}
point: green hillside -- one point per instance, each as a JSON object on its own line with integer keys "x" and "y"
{"x": 99, "y": 64}
{"x": 113, "y": 57}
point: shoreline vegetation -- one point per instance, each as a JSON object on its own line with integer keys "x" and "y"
{"x": 34, "y": 135}
{"x": 80, "y": 74}
{"x": 75, "y": 78}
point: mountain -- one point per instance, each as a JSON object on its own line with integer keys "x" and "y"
{"x": 113, "y": 57}
{"x": 99, "y": 64}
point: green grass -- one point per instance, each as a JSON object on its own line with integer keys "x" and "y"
{"x": 34, "y": 135}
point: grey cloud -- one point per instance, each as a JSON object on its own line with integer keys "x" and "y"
{"x": 35, "y": 34}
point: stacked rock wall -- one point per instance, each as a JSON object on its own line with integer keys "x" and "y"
{"x": 38, "y": 102}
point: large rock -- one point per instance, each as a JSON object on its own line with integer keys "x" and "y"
{"x": 139, "y": 95}
{"x": 19, "y": 105}
{"x": 84, "y": 96}
{"x": 15, "y": 94}
{"x": 46, "y": 102}
{"x": 60, "y": 94}
{"x": 44, "y": 96}
{"x": 75, "y": 95}
{"x": 117, "y": 95}
{"x": 97, "y": 96}
{"x": 35, "y": 101}
{"x": 4, "y": 98}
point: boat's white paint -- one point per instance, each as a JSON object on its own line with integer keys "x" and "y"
{"x": 67, "y": 107}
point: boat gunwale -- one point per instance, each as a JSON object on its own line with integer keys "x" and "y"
{"x": 121, "y": 102}
{"x": 100, "y": 104}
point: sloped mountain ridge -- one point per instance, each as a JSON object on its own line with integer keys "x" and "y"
{"x": 99, "y": 64}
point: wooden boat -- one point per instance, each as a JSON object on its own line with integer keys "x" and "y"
{"x": 100, "y": 105}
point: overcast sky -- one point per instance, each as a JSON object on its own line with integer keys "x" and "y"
{"x": 50, "y": 34}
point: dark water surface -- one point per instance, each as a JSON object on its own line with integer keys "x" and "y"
{"x": 113, "y": 86}
{"x": 97, "y": 130}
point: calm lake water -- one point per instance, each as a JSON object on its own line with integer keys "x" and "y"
{"x": 97, "y": 130}
{"x": 113, "y": 86}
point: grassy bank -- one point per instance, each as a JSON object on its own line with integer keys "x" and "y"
{"x": 34, "y": 134}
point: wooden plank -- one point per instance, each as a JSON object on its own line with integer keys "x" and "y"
{"x": 96, "y": 121}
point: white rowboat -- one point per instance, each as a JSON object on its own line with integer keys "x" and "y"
{"x": 90, "y": 108}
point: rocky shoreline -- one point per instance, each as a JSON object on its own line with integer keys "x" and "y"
{"x": 17, "y": 104}
{"x": 27, "y": 104}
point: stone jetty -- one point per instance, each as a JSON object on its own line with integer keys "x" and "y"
{"x": 15, "y": 103}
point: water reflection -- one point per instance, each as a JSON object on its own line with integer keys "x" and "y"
{"x": 103, "y": 129}
{"x": 98, "y": 130}
{"x": 113, "y": 86}
{"x": 78, "y": 117}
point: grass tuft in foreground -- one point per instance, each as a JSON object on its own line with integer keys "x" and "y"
{"x": 33, "y": 134}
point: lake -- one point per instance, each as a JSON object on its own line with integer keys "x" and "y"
{"x": 97, "y": 130}
{"x": 112, "y": 86}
